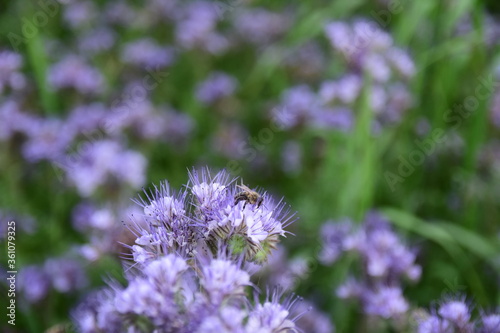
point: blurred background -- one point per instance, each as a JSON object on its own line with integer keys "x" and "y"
{"x": 350, "y": 110}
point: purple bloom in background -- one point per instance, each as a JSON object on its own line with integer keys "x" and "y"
{"x": 260, "y": 26}
{"x": 385, "y": 261}
{"x": 47, "y": 139}
{"x": 147, "y": 53}
{"x": 456, "y": 312}
{"x": 333, "y": 235}
{"x": 78, "y": 14}
{"x": 454, "y": 315}
{"x": 13, "y": 120}
{"x": 347, "y": 89}
{"x": 73, "y": 72}
{"x": 81, "y": 216}
{"x": 398, "y": 100}
{"x": 163, "y": 9}
{"x": 62, "y": 274}
{"x": 10, "y": 75}
{"x": 98, "y": 40}
{"x": 402, "y": 62}
{"x": 196, "y": 27}
{"x": 217, "y": 86}
{"x": 66, "y": 274}
{"x": 491, "y": 323}
{"x": 34, "y": 283}
{"x": 434, "y": 324}
{"x": 24, "y": 223}
{"x": 86, "y": 118}
{"x": 338, "y": 118}
{"x": 297, "y": 106}
{"x": 120, "y": 13}
{"x": 387, "y": 302}
{"x": 94, "y": 165}
{"x": 368, "y": 48}
{"x": 356, "y": 41}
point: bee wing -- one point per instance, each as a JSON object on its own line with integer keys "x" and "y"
{"x": 244, "y": 188}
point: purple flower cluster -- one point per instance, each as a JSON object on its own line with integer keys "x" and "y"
{"x": 454, "y": 315}
{"x": 217, "y": 86}
{"x": 384, "y": 261}
{"x": 207, "y": 216}
{"x": 172, "y": 294}
{"x": 73, "y": 72}
{"x": 62, "y": 274}
{"x": 146, "y": 53}
{"x": 103, "y": 161}
{"x": 101, "y": 158}
{"x": 10, "y": 75}
{"x": 369, "y": 52}
{"x": 98, "y": 223}
{"x": 189, "y": 272}
{"x": 260, "y": 26}
{"x": 196, "y": 28}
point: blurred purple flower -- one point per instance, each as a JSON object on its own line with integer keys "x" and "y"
{"x": 260, "y": 26}
{"x": 456, "y": 312}
{"x": 387, "y": 302}
{"x": 66, "y": 274}
{"x": 47, "y": 139}
{"x": 10, "y": 75}
{"x": 93, "y": 166}
{"x": 13, "y": 120}
{"x": 78, "y": 14}
{"x": 491, "y": 323}
{"x": 98, "y": 40}
{"x": 147, "y": 53}
{"x": 215, "y": 87}
{"x": 73, "y": 72}
{"x": 196, "y": 27}
{"x": 34, "y": 283}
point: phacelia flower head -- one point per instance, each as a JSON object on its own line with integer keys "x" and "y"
{"x": 171, "y": 294}
{"x": 212, "y": 212}
{"x": 248, "y": 222}
{"x": 190, "y": 270}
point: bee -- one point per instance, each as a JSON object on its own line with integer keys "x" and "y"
{"x": 249, "y": 196}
